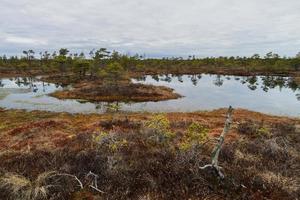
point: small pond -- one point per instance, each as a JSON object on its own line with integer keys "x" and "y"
{"x": 268, "y": 94}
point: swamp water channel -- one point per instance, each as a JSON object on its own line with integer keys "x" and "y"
{"x": 267, "y": 94}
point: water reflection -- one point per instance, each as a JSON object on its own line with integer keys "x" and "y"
{"x": 29, "y": 83}
{"x": 270, "y": 94}
{"x": 218, "y": 81}
{"x": 253, "y": 82}
{"x": 108, "y": 107}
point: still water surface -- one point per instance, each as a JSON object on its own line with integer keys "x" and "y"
{"x": 274, "y": 95}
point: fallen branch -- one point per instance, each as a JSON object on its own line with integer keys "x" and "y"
{"x": 95, "y": 185}
{"x": 73, "y": 176}
{"x": 217, "y": 149}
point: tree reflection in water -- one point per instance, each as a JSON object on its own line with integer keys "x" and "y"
{"x": 298, "y": 96}
{"x": 218, "y": 81}
{"x": 253, "y": 82}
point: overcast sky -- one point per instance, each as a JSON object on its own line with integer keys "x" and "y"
{"x": 154, "y": 27}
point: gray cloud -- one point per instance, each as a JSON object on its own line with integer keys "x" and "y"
{"x": 157, "y": 28}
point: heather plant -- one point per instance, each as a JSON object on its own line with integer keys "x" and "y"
{"x": 254, "y": 129}
{"x": 110, "y": 140}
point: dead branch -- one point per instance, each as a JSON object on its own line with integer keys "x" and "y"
{"x": 73, "y": 176}
{"x": 215, "y": 153}
{"x": 94, "y": 185}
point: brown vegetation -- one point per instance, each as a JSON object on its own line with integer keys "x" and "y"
{"x": 136, "y": 158}
{"x": 123, "y": 91}
{"x": 204, "y": 69}
{"x": 297, "y": 79}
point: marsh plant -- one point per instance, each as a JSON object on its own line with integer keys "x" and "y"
{"x": 160, "y": 125}
{"x": 195, "y": 136}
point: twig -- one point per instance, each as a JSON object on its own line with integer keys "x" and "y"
{"x": 206, "y": 166}
{"x": 95, "y": 186}
{"x": 97, "y": 189}
{"x": 73, "y": 176}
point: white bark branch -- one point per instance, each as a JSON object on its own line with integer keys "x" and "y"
{"x": 80, "y": 184}
{"x": 73, "y": 176}
{"x": 217, "y": 149}
{"x": 97, "y": 189}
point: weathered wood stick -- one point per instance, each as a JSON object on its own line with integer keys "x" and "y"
{"x": 217, "y": 149}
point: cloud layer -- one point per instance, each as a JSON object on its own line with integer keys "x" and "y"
{"x": 156, "y": 28}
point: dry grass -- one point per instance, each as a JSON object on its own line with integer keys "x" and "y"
{"x": 290, "y": 184}
{"x": 132, "y": 164}
{"x": 20, "y": 188}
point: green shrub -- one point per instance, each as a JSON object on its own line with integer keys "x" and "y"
{"x": 196, "y": 135}
{"x": 113, "y": 73}
{"x": 263, "y": 132}
{"x": 161, "y": 125}
{"x": 99, "y": 137}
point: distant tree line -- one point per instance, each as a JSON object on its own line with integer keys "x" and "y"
{"x": 97, "y": 62}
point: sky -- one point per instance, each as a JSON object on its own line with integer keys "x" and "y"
{"x": 156, "y": 28}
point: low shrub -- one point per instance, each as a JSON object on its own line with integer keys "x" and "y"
{"x": 254, "y": 129}
{"x": 195, "y": 135}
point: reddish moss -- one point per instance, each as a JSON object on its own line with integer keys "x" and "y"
{"x": 122, "y": 92}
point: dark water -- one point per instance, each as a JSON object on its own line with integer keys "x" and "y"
{"x": 274, "y": 95}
